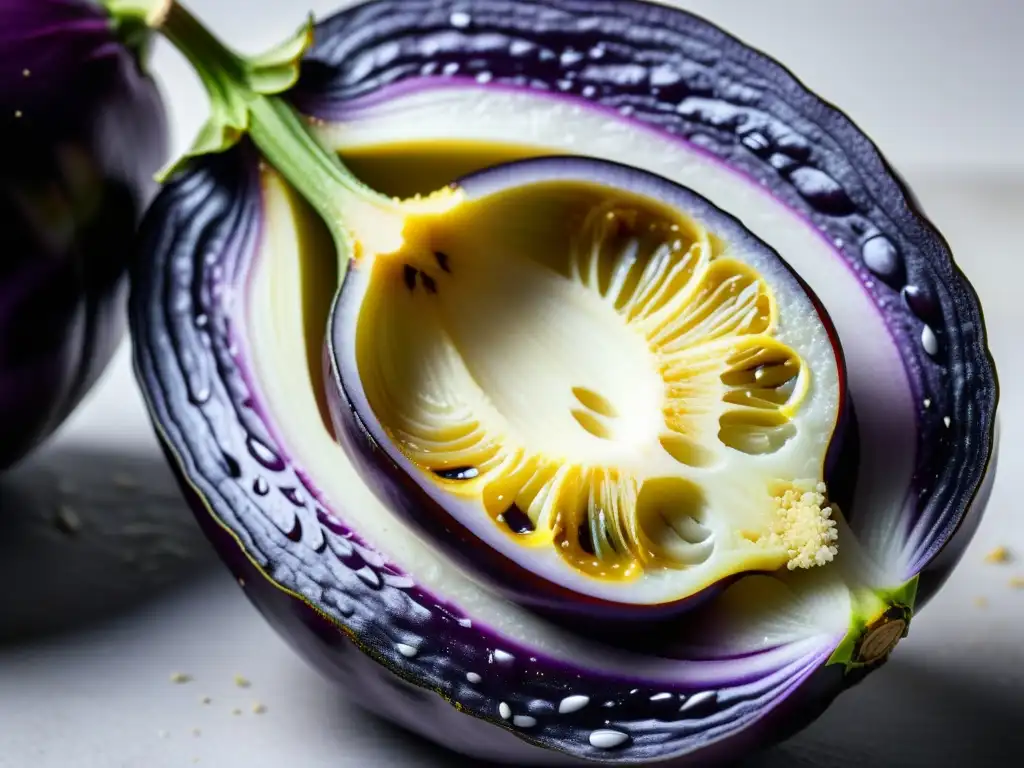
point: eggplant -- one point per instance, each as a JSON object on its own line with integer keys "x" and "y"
{"x": 82, "y": 132}
{"x": 248, "y": 356}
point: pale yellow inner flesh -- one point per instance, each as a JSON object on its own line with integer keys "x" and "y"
{"x": 600, "y": 376}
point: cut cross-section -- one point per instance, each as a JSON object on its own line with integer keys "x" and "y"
{"x": 611, "y": 389}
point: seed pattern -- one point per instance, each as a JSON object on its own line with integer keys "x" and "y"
{"x": 708, "y": 320}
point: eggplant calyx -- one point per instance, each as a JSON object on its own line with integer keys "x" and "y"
{"x": 881, "y": 619}
{"x": 243, "y": 93}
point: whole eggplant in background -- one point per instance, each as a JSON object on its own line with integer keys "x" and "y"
{"x": 241, "y": 284}
{"x": 82, "y": 132}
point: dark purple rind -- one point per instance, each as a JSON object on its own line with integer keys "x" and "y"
{"x": 422, "y": 503}
{"x": 51, "y": 54}
{"x": 314, "y": 579}
{"x": 89, "y": 136}
{"x": 674, "y": 72}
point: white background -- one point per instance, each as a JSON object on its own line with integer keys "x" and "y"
{"x": 92, "y": 626}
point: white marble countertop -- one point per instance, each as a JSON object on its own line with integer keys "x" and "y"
{"x": 93, "y": 625}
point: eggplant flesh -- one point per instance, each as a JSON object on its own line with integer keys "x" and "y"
{"x": 228, "y": 352}
{"x": 621, "y": 392}
{"x": 82, "y": 131}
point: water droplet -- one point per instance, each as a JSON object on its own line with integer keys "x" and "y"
{"x": 699, "y": 700}
{"x": 199, "y": 395}
{"x": 608, "y": 739}
{"x": 782, "y": 163}
{"x": 295, "y": 496}
{"x": 295, "y": 533}
{"x": 661, "y": 696}
{"x": 881, "y": 257}
{"x": 756, "y": 142}
{"x": 569, "y": 57}
{"x": 793, "y": 145}
{"x": 571, "y": 704}
{"x": 406, "y": 650}
{"x": 922, "y": 303}
{"x": 504, "y": 710}
{"x": 589, "y": 92}
{"x": 930, "y": 341}
{"x": 450, "y": 68}
{"x": 473, "y": 677}
{"x": 264, "y": 454}
{"x": 202, "y": 320}
{"x": 524, "y": 721}
{"x": 484, "y": 77}
{"x": 520, "y": 47}
{"x": 503, "y": 657}
{"x": 369, "y": 577}
{"x": 822, "y": 191}
{"x": 947, "y": 421}
{"x": 460, "y": 19}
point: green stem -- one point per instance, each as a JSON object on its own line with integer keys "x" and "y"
{"x": 233, "y": 84}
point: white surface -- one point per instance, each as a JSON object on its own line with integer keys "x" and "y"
{"x": 93, "y": 625}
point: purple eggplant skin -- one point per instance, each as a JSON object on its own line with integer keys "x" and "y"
{"x": 82, "y": 133}
{"x": 339, "y": 602}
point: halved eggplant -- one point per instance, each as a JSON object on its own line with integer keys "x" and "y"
{"x": 230, "y": 310}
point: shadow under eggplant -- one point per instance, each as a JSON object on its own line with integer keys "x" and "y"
{"x": 912, "y": 715}
{"x": 87, "y": 535}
